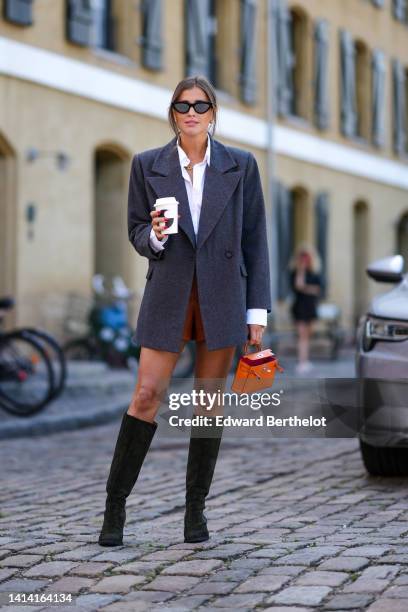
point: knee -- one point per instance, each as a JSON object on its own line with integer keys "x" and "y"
{"x": 144, "y": 400}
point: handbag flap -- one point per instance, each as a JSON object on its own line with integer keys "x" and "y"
{"x": 264, "y": 356}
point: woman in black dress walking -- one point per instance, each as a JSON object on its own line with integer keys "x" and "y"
{"x": 305, "y": 281}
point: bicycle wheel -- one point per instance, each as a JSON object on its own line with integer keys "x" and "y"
{"x": 26, "y": 374}
{"x": 55, "y": 354}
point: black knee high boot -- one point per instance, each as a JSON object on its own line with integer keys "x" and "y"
{"x": 133, "y": 442}
{"x": 202, "y": 458}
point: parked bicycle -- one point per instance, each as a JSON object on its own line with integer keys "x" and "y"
{"x": 32, "y": 367}
{"x": 104, "y": 330}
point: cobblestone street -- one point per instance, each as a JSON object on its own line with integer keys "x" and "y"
{"x": 296, "y": 525}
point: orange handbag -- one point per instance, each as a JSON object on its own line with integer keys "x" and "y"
{"x": 255, "y": 371}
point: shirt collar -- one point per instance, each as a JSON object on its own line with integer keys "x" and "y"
{"x": 184, "y": 160}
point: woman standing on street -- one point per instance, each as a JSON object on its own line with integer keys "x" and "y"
{"x": 208, "y": 283}
{"x": 306, "y": 284}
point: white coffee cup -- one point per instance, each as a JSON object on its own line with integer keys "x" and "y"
{"x": 169, "y": 208}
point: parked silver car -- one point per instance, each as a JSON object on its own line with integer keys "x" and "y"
{"x": 382, "y": 368}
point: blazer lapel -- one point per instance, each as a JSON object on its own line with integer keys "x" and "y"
{"x": 218, "y": 187}
{"x": 171, "y": 183}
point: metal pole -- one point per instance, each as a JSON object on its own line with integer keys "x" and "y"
{"x": 270, "y": 119}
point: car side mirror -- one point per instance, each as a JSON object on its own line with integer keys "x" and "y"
{"x": 387, "y": 270}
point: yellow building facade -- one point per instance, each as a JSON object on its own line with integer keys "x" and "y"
{"x": 317, "y": 90}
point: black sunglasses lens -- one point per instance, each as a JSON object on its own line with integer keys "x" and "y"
{"x": 181, "y": 107}
{"x": 201, "y": 107}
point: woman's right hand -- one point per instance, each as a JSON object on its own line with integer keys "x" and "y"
{"x": 158, "y": 223}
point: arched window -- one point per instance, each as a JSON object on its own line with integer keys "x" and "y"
{"x": 294, "y": 226}
{"x": 110, "y": 222}
{"x": 295, "y": 223}
{"x": 303, "y": 228}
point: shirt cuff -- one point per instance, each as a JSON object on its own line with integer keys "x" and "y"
{"x": 257, "y": 316}
{"x": 156, "y": 244}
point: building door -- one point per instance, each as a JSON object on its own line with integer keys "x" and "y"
{"x": 8, "y": 263}
{"x": 110, "y": 214}
{"x": 302, "y": 216}
{"x": 360, "y": 259}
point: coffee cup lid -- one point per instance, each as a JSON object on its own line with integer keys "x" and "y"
{"x": 169, "y": 200}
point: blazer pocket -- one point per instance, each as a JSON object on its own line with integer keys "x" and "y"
{"x": 243, "y": 269}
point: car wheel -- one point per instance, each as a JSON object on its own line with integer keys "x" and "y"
{"x": 384, "y": 460}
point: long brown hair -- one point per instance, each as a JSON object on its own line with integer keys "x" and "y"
{"x": 189, "y": 83}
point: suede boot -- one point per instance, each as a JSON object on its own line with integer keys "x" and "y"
{"x": 133, "y": 442}
{"x": 202, "y": 458}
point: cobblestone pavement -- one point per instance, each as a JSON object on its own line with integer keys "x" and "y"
{"x": 296, "y": 525}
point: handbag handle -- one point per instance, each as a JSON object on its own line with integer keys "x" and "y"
{"x": 258, "y": 344}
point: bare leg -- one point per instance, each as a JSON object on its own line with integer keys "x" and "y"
{"x": 302, "y": 341}
{"x": 308, "y": 334}
{"x": 155, "y": 370}
{"x": 211, "y": 371}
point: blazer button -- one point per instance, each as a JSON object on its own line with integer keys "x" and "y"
{"x": 228, "y": 254}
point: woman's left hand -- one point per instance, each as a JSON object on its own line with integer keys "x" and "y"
{"x": 255, "y": 333}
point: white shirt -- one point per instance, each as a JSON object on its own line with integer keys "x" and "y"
{"x": 195, "y": 195}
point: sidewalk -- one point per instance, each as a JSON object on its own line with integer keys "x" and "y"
{"x": 96, "y": 394}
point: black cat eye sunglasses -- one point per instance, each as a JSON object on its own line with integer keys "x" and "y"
{"x": 200, "y": 106}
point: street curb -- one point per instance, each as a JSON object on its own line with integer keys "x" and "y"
{"x": 48, "y": 424}
{"x": 56, "y": 423}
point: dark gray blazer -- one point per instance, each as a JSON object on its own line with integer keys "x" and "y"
{"x": 230, "y": 255}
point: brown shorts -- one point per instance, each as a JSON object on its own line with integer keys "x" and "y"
{"x": 193, "y": 326}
